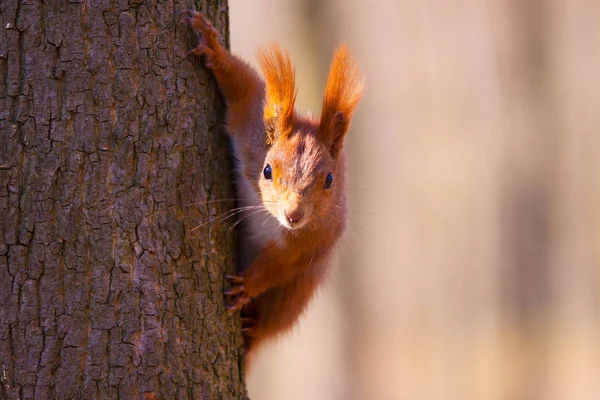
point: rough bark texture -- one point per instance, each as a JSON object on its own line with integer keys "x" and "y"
{"x": 107, "y": 134}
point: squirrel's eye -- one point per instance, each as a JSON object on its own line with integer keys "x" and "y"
{"x": 267, "y": 172}
{"x": 328, "y": 181}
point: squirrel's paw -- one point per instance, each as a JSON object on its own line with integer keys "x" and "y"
{"x": 208, "y": 35}
{"x": 237, "y": 293}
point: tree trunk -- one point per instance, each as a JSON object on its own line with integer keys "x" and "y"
{"x": 108, "y": 135}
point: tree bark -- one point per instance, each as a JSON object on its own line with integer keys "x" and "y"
{"x": 108, "y": 135}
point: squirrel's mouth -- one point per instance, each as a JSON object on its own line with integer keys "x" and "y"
{"x": 294, "y": 219}
{"x": 292, "y": 225}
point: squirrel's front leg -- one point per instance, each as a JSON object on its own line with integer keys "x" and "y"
{"x": 241, "y": 86}
{"x": 272, "y": 267}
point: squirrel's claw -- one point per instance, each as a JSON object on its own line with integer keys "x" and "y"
{"x": 237, "y": 292}
{"x": 248, "y": 332}
{"x": 198, "y": 50}
{"x": 234, "y": 279}
{"x": 238, "y": 302}
{"x": 248, "y": 326}
{"x": 186, "y": 16}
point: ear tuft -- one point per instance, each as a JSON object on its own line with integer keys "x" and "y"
{"x": 344, "y": 89}
{"x": 281, "y": 92}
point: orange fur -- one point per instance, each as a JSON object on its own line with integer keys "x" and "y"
{"x": 283, "y": 259}
{"x": 280, "y": 91}
{"x": 344, "y": 90}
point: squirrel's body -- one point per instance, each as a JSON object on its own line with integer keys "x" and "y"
{"x": 294, "y": 210}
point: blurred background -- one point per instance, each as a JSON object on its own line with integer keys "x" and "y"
{"x": 471, "y": 267}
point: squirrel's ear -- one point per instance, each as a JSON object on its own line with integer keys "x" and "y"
{"x": 280, "y": 88}
{"x": 343, "y": 91}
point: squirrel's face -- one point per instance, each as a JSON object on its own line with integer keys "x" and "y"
{"x": 298, "y": 183}
{"x": 298, "y": 180}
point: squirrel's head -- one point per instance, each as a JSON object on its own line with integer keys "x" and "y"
{"x": 298, "y": 183}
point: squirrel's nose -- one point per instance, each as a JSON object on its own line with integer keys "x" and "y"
{"x": 294, "y": 215}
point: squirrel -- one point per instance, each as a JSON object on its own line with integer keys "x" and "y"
{"x": 290, "y": 179}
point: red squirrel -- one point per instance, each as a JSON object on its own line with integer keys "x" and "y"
{"x": 290, "y": 179}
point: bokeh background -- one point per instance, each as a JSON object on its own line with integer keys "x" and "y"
{"x": 471, "y": 269}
